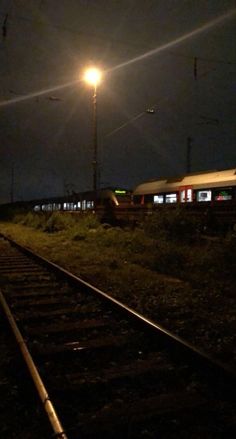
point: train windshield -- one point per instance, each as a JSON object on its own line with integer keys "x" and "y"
{"x": 122, "y": 195}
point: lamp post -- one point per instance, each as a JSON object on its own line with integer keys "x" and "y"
{"x": 93, "y": 77}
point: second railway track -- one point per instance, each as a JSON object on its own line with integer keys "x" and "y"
{"x": 109, "y": 372}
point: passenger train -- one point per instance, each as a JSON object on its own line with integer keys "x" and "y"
{"x": 105, "y": 203}
{"x": 202, "y": 187}
{"x": 196, "y": 193}
{"x": 84, "y": 201}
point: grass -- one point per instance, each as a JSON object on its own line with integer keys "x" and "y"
{"x": 80, "y": 242}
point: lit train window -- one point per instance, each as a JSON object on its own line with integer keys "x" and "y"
{"x": 186, "y": 195}
{"x": 171, "y": 198}
{"x": 189, "y": 195}
{"x": 121, "y": 196}
{"x": 182, "y": 196}
{"x": 204, "y": 195}
{"x": 68, "y": 206}
{"x": 47, "y": 207}
{"x": 90, "y": 204}
{"x": 158, "y": 199}
{"x": 56, "y": 206}
{"x": 37, "y": 208}
{"x": 223, "y": 195}
{"x": 79, "y": 205}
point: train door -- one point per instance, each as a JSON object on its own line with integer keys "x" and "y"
{"x": 185, "y": 194}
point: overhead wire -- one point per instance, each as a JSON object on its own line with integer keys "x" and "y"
{"x": 193, "y": 58}
{"x": 103, "y": 38}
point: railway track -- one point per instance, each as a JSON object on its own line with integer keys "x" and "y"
{"x": 101, "y": 369}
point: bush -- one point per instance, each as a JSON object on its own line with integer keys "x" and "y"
{"x": 30, "y": 219}
{"x": 88, "y": 221}
{"x": 76, "y": 224}
{"x": 58, "y": 222}
{"x": 174, "y": 225}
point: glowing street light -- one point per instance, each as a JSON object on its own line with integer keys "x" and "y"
{"x": 93, "y": 77}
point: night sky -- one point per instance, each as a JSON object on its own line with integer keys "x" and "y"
{"x": 176, "y": 56}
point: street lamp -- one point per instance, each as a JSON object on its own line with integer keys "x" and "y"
{"x": 93, "y": 77}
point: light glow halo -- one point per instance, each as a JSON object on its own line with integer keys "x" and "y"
{"x": 93, "y": 76}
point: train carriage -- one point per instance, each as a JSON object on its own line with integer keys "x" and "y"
{"x": 197, "y": 193}
{"x": 84, "y": 201}
{"x": 198, "y": 187}
{"x": 208, "y": 196}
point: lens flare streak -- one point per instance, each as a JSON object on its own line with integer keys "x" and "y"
{"x": 230, "y": 14}
{"x": 179, "y": 40}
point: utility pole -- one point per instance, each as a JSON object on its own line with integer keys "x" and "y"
{"x": 12, "y": 184}
{"x": 189, "y": 154}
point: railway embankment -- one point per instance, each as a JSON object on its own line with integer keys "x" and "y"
{"x": 165, "y": 270}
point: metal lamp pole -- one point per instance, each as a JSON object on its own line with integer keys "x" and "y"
{"x": 95, "y": 139}
{"x": 93, "y": 76}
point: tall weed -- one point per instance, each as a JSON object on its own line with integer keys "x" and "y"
{"x": 175, "y": 225}
{"x": 31, "y": 219}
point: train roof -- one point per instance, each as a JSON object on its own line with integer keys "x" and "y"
{"x": 197, "y": 180}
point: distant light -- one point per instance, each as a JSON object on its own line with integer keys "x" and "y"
{"x": 150, "y": 111}
{"x": 93, "y": 76}
{"x": 120, "y": 191}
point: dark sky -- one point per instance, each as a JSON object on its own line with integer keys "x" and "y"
{"x": 176, "y": 55}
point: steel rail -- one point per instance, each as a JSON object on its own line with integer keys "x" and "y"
{"x": 48, "y": 406}
{"x": 221, "y": 369}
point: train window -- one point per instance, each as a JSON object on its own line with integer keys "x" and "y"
{"x": 186, "y": 195}
{"x": 223, "y": 195}
{"x": 171, "y": 198}
{"x": 46, "y": 207}
{"x": 204, "y": 195}
{"x": 68, "y": 206}
{"x": 182, "y": 196}
{"x": 120, "y": 196}
{"x": 189, "y": 195}
{"x": 158, "y": 199}
{"x": 37, "y": 208}
{"x": 123, "y": 198}
{"x": 79, "y": 205}
{"x": 90, "y": 204}
{"x": 56, "y": 206}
